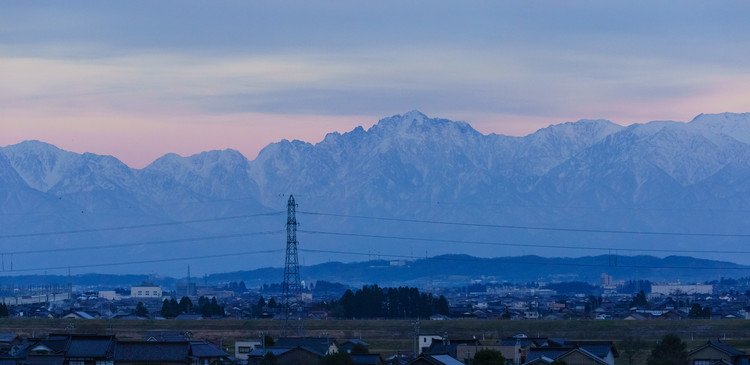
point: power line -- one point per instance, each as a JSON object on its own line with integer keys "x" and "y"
{"x": 136, "y": 226}
{"x": 536, "y": 228}
{"x": 520, "y": 262}
{"x": 537, "y": 245}
{"x": 122, "y": 263}
{"x": 144, "y": 243}
{"x": 74, "y": 206}
{"x": 439, "y": 203}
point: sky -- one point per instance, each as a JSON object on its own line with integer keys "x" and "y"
{"x": 138, "y": 79}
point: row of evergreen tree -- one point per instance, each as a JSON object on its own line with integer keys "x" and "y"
{"x": 171, "y": 308}
{"x": 373, "y": 301}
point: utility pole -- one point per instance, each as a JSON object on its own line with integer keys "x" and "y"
{"x": 187, "y": 283}
{"x": 291, "y": 286}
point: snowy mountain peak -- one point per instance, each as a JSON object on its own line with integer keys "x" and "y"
{"x": 719, "y": 118}
{"x": 40, "y": 164}
{"x": 734, "y": 125}
{"x": 34, "y": 145}
{"x": 595, "y": 129}
{"x": 414, "y": 115}
{"x": 202, "y": 164}
{"x": 416, "y": 122}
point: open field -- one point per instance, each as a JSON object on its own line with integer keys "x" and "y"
{"x": 388, "y": 336}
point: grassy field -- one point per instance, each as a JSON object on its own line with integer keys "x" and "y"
{"x": 389, "y": 336}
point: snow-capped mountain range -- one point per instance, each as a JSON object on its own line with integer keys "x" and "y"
{"x": 587, "y": 175}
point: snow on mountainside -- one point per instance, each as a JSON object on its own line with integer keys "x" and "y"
{"x": 732, "y": 125}
{"x": 591, "y": 174}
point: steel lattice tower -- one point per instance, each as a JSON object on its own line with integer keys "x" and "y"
{"x": 292, "y": 286}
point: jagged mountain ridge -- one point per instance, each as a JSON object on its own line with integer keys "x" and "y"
{"x": 592, "y": 173}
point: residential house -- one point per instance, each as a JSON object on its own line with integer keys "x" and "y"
{"x": 206, "y": 353}
{"x": 152, "y": 353}
{"x": 426, "y": 359}
{"x": 367, "y": 359}
{"x": 717, "y": 352}
{"x": 349, "y": 345}
{"x": 168, "y": 336}
{"x": 570, "y": 356}
{"x": 243, "y": 348}
{"x": 286, "y": 356}
{"x": 7, "y": 341}
{"x": 449, "y": 347}
{"x": 319, "y": 345}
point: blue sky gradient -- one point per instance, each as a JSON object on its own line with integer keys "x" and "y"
{"x": 97, "y": 76}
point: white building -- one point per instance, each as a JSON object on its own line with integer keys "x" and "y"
{"x": 242, "y": 349}
{"x": 670, "y": 289}
{"x": 109, "y": 295}
{"x": 425, "y": 341}
{"x": 145, "y": 291}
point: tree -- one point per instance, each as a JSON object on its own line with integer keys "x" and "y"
{"x": 669, "y": 351}
{"x": 170, "y": 308}
{"x": 360, "y": 349}
{"x": 639, "y": 300}
{"x": 696, "y": 311}
{"x": 186, "y": 305}
{"x": 4, "y": 312}
{"x": 257, "y": 309}
{"x": 488, "y": 357}
{"x": 210, "y": 307}
{"x": 506, "y": 314}
{"x": 269, "y": 359}
{"x": 632, "y": 348}
{"x": 268, "y": 341}
{"x": 140, "y": 310}
{"x": 216, "y": 309}
{"x": 441, "y": 306}
{"x": 337, "y": 358}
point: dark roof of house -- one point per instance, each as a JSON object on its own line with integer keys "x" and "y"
{"x": 57, "y": 343}
{"x": 319, "y": 345}
{"x": 276, "y": 351}
{"x": 205, "y": 349}
{"x": 152, "y": 351}
{"x": 598, "y": 348}
{"x": 90, "y": 346}
{"x": 367, "y": 359}
{"x": 548, "y": 352}
{"x": 295, "y": 349}
{"x": 167, "y": 336}
{"x": 524, "y": 341}
{"x": 440, "y": 347}
{"x": 556, "y": 353}
{"x": 45, "y": 360}
{"x": 721, "y": 346}
{"x": 355, "y": 341}
{"x": 7, "y": 336}
{"x": 438, "y": 359}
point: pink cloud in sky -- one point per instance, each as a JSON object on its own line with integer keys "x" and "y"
{"x": 139, "y": 137}
{"x": 138, "y": 140}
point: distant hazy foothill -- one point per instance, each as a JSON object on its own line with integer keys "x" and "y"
{"x": 588, "y": 175}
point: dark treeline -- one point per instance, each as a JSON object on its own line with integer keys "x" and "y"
{"x": 373, "y": 301}
{"x": 207, "y": 307}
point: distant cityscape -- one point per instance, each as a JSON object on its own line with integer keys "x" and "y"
{"x": 194, "y": 302}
